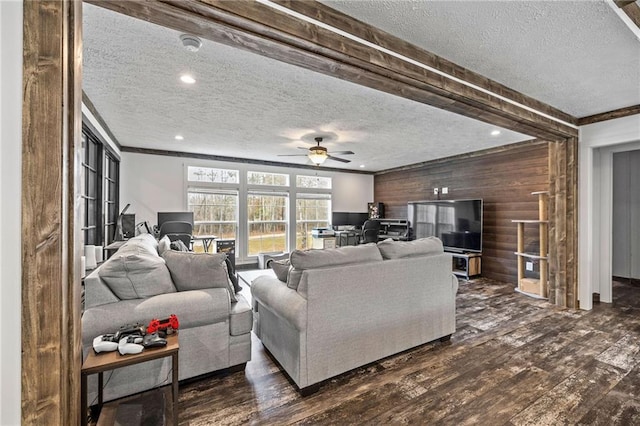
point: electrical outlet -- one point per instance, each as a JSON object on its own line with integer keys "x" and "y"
{"x": 529, "y": 266}
{"x": 435, "y": 191}
{"x": 445, "y": 190}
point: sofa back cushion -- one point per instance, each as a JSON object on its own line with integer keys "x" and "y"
{"x": 314, "y": 259}
{"x": 142, "y": 242}
{"x": 196, "y": 271}
{"x": 391, "y": 249}
{"x": 135, "y": 274}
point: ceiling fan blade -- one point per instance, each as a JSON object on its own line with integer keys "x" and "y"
{"x": 303, "y": 147}
{"x": 292, "y": 155}
{"x": 342, "y": 152}
{"x": 331, "y": 157}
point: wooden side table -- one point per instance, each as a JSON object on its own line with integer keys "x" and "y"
{"x": 99, "y": 363}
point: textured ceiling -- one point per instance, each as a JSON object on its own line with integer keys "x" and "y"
{"x": 248, "y": 106}
{"x": 577, "y": 56}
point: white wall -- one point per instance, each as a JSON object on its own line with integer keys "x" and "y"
{"x": 153, "y": 183}
{"x": 626, "y": 215}
{"x": 597, "y": 143}
{"x": 10, "y": 201}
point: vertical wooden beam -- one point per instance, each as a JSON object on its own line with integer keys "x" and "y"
{"x": 563, "y": 288}
{"x": 50, "y": 271}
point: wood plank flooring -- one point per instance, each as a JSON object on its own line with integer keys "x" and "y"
{"x": 514, "y": 360}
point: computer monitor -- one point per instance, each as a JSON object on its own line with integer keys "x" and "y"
{"x": 348, "y": 219}
{"x": 174, "y": 217}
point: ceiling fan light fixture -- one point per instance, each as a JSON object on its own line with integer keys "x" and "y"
{"x": 317, "y": 157}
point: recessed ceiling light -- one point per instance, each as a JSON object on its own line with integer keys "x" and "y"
{"x": 186, "y": 78}
{"x": 362, "y": 166}
{"x": 179, "y": 137}
{"x": 495, "y": 132}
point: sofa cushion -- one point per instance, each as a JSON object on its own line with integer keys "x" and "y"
{"x": 313, "y": 259}
{"x": 241, "y": 318}
{"x": 135, "y": 274}
{"x": 391, "y": 249}
{"x": 194, "y": 271}
{"x": 281, "y": 268}
{"x": 164, "y": 244}
{"x": 140, "y": 243}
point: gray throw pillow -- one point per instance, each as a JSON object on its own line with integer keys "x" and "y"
{"x": 400, "y": 249}
{"x": 195, "y": 271}
{"x": 281, "y": 269}
{"x": 136, "y": 275}
{"x": 164, "y": 244}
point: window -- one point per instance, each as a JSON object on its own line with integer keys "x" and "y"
{"x": 267, "y": 215}
{"x": 263, "y": 178}
{"x": 92, "y": 168}
{"x": 211, "y": 175}
{"x": 315, "y": 182}
{"x": 100, "y": 189}
{"x": 215, "y": 212}
{"x": 111, "y": 173}
{"x": 312, "y": 211}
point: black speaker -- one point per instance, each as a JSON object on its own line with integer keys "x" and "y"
{"x": 128, "y": 225}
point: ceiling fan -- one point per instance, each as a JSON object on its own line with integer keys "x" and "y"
{"x": 319, "y": 154}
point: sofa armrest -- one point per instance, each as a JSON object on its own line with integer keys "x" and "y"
{"x": 280, "y": 299}
{"x": 454, "y": 284}
{"x": 193, "y": 308}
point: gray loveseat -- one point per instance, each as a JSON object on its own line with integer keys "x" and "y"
{"x": 137, "y": 284}
{"x": 347, "y": 307}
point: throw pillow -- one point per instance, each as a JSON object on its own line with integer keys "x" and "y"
{"x": 399, "y": 249}
{"x": 136, "y": 275}
{"x": 178, "y": 245}
{"x": 195, "y": 271}
{"x": 281, "y": 269}
{"x": 232, "y": 275}
{"x": 164, "y": 244}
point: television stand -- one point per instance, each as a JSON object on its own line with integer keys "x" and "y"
{"x": 466, "y": 264}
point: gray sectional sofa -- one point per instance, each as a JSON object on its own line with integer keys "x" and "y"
{"x": 344, "y": 308}
{"x": 138, "y": 284}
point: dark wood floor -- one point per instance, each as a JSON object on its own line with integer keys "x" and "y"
{"x": 514, "y": 360}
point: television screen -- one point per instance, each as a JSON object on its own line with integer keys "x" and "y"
{"x": 174, "y": 217}
{"x": 458, "y": 223}
{"x": 348, "y": 219}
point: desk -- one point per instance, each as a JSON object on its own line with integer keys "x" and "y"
{"x": 207, "y": 240}
{"x": 99, "y": 363}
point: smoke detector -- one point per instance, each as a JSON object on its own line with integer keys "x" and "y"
{"x": 191, "y": 42}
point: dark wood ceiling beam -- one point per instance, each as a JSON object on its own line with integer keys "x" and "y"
{"x": 268, "y": 22}
{"x": 383, "y": 39}
{"x": 631, "y": 8}
{"x": 610, "y": 115}
{"x": 323, "y": 51}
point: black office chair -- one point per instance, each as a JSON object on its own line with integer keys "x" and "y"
{"x": 177, "y": 231}
{"x": 370, "y": 231}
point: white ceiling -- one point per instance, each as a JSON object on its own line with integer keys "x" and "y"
{"x": 248, "y": 106}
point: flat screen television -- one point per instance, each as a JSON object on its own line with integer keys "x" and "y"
{"x": 349, "y": 219}
{"x": 174, "y": 217}
{"x": 458, "y": 223}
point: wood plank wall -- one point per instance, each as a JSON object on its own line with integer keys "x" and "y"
{"x": 503, "y": 178}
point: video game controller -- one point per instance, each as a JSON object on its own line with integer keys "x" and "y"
{"x": 130, "y": 344}
{"x": 167, "y": 325}
{"x": 129, "y": 329}
{"x": 105, "y": 343}
{"x": 153, "y": 340}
